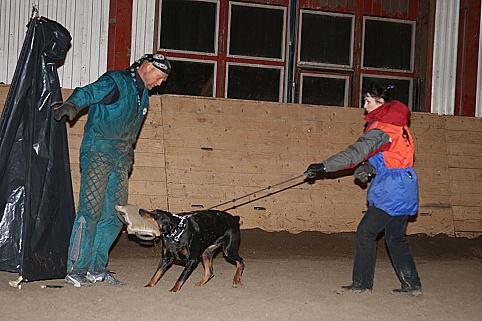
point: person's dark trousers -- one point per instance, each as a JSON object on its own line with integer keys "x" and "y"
{"x": 372, "y": 224}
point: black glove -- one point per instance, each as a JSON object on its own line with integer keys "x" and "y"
{"x": 364, "y": 172}
{"x": 314, "y": 169}
{"x": 66, "y": 109}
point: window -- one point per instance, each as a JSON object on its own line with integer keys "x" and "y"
{"x": 249, "y": 64}
{"x": 256, "y": 31}
{"x": 188, "y": 34}
{"x": 195, "y": 78}
{"x": 189, "y": 26}
{"x": 304, "y": 51}
{"x": 254, "y": 82}
{"x": 326, "y": 39}
{"x": 388, "y": 44}
{"x": 328, "y": 90}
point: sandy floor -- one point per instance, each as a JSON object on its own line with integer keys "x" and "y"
{"x": 287, "y": 277}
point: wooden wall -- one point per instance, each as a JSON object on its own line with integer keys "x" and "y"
{"x": 195, "y": 153}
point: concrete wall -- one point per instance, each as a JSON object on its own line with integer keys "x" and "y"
{"x": 195, "y": 153}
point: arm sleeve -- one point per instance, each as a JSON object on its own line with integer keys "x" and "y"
{"x": 368, "y": 144}
{"x": 93, "y": 93}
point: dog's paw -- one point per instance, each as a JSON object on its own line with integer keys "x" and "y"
{"x": 237, "y": 284}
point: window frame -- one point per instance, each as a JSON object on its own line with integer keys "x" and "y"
{"x": 216, "y": 33}
{"x": 203, "y": 61}
{"x": 283, "y": 35}
{"x": 412, "y": 44}
{"x": 232, "y": 63}
{"x": 346, "y": 77}
{"x": 292, "y": 69}
{"x": 301, "y": 63}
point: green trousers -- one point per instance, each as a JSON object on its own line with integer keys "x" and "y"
{"x": 104, "y": 184}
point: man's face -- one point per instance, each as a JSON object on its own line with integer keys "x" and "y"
{"x": 152, "y": 76}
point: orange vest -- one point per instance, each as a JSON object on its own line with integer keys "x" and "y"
{"x": 401, "y": 151}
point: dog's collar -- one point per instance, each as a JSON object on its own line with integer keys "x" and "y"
{"x": 180, "y": 228}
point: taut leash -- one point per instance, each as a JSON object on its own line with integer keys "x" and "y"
{"x": 259, "y": 191}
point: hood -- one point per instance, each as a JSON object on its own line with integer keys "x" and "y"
{"x": 393, "y": 112}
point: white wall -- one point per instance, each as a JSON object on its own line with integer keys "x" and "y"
{"x": 87, "y": 22}
{"x": 445, "y": 57}
{"x": 143, "y": 18}
{"x": 478, "y": 102}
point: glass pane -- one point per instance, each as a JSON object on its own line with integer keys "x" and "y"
{"x": 401, "y": 91}
{"x": 254, "y": 83}
{"x": 256, "y": 32}
{"x": 319, "y": 90}
{"x": 188, "y": 25}
{"x": 326, "y": 39}
{"x": 387, "y": 45}
{"x": 189, "y": 78}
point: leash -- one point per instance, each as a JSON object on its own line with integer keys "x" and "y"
{"x": 309, "y": 175}
{"x": 176, "y": 234}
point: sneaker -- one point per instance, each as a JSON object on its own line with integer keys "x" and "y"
{"x": 95, "y": 276}
{"x": 355, "y": 289}
{"x": 109, "y": 278}
{"x": 103, "y": 277}
{"x": 78, "y": 279}
{"x": 415, "y": 292}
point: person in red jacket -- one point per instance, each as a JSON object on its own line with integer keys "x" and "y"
{"x": 386, "y": 154}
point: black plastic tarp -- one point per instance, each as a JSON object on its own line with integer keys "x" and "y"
{"x": 36, "y": 199}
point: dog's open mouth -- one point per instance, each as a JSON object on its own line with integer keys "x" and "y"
{"x": 136, "y": 224}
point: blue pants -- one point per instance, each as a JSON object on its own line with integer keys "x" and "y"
{"x": 372, "y": 224}
{"x": 104, "y": 184}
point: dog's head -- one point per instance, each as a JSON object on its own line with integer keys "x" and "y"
{"x": 163, "y": 219}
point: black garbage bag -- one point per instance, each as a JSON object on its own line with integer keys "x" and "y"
{"x": 36, "y": 200}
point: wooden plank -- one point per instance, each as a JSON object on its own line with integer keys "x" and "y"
{"x": 440, "y": 221}
{"x": 74, "y": 140}
{"x": 148, "y": 173}
{"x": 420, "y": 123}
{"x": 149, "y": 160}
{"x": 464, "y": 136}
{"x": 467, "y": 213}
{"x": 470, "y": 162}
{"x": 148, "y": 202}
{"x": 464, "y": 149}
{"x": 466, "y": 174}
{"x": 430, "y": 147}
{"x": 472, "y": 124}
{"x": 472, "y": 200}
{"x": 147, "y": 188}
{"x": 468, "y": 225}
{"x": 77, "y": 127}
{"x": 153, "y": 146}
{"x": 468, "y": 186}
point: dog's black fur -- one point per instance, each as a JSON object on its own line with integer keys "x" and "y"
{"x": 188, "y": 237}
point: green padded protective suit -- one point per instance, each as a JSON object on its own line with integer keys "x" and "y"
{"x": 106, "y": 158}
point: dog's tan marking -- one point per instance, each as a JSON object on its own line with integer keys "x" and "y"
{"x": 149, "y": 218}
{"x": 159, "y": 273}
{"x": 208, "y": 267}
{"x": 184, "y": 251}
{"x": 238, "y": 274}
{"x": 177, "y": 286}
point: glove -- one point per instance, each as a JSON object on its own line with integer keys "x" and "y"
{"x": 314, "y": 169}
{"x": 66, "y": 109}
{"x": 364, "y": 172}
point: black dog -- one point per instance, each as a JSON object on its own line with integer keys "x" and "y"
{"x": 187, "y": 237}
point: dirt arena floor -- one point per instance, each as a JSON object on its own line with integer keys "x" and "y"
{"x": 287, "y": 277}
